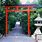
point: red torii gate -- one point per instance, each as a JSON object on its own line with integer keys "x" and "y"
{"x": 17, "y": 9}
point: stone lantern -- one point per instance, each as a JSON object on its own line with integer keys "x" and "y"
{"x": 38, "y": 23}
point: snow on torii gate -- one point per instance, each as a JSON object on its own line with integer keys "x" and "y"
{"x": 17, "y": 9}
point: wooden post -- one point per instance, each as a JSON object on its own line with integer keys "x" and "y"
{"x": 17, "y": 8}
{"x": 6, "y": 29}
{"x": 28, "y": 21}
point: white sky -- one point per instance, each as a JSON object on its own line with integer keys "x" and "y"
{"x": 24, "y": 1}
{"x": 31, "y": 1}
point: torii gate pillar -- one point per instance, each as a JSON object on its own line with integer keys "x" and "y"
{"x": 6, "y": 27}
{"x": 29, "y": 32}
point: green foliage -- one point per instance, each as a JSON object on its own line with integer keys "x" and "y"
{"x": 13, "y": 17}
{"x": 2, "y": 20}
{"x": 12, "y": 20}
{"x": 40, "y": 11}
{"x": 32, "y": 18}
{"x": 10, "y": 2}
{"x": 2, "y": 26}
{"x": 40, "y": 2}
{"x": 24, "y": 23}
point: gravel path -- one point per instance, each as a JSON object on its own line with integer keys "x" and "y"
{"x": 17, "y": 36}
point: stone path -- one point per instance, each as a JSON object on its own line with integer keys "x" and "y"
{"x": 17, "y": 36}
{"x": 17, "y": 39}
